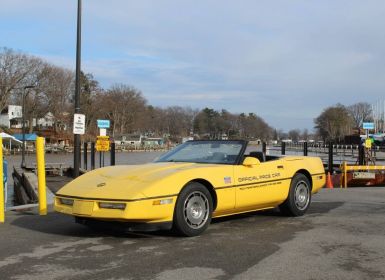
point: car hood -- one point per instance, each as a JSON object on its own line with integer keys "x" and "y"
{"x": 125, "y": 182}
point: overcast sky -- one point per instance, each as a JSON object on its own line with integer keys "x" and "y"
{"x": 283, "y": 60}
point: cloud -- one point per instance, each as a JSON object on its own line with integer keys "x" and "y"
{"x": 284, "y": 60}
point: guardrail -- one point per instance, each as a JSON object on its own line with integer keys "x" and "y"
{"x": 345, "y": 168}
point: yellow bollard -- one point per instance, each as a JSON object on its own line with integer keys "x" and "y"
{"x": 2, "y": 199}
{"x": 41, "y": 176}
{"x": 345, "y": 175}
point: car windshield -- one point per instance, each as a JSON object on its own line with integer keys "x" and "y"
{"x": 221, "y": 152}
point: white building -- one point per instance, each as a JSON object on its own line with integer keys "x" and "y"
{"x": 47, "y": 121}
{"x": 11, "y": 116}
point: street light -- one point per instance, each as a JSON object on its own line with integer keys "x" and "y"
{"x": 23, "y": 124}
{"x": 77, "y": 88}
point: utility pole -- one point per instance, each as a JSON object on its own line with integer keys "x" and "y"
{"x": 77, "y": 89}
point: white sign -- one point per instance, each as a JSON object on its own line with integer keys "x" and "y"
{"x": 79, "y": 124}
{"x": 364, "y": 175}
{"x": 103, "y": 132}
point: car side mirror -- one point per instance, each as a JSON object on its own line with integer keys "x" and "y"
{"x": 250, "y": 161}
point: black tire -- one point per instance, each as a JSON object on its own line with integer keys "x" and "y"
{"x": 299, "y": 197}
{"x": 193, "y": 210}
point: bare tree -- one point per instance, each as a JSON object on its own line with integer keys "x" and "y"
{"x": 16, "y": 71}
{"x": 56, "y": 86}
{"x": 294, "y": 134}
{"x": 126, "y": 106}
{"x": 360, "y": 113}
{"x": 305, "y": 134}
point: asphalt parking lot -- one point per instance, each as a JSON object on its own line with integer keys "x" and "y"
{"x": 341, "y": 237}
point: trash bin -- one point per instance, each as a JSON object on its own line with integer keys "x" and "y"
{"x": 5, "y": 179}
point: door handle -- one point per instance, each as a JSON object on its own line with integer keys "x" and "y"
{"x": 280, "y": 166}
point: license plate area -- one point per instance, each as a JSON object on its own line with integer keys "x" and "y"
{"x": 83, "y": 207}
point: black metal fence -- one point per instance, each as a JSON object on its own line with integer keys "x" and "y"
{"x": 332, "y": 155}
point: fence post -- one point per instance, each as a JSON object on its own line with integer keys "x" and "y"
{"x": 85, "y": 155}
{"x": 92, "y": 155}
{"x": 283, "y": 148}
{"x": 2, "y": 199}
{"x": 264, "y": 147}
{"x": 330, "y": 163}
{"x": 305, "y": 149}
{"x": 112, "y": 157}
{"x": 361, "y": 155}
{"x": 41, "y": 176}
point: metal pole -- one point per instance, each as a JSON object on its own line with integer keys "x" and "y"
{"x": 24, "y": 95}
{"x": 305, "y": 149}
{"x": 361, "y": 155}
{"x": 264, "y": 147}
{"x": 112, "y": 157}
{"x": 23, "y": 130}
{"x": 77, "y": 90}
{"x": 283, "y": 148}
{"x": 92, "y": 155}
{"x": 330, "y": 164}
{"x": 85, "y": 155}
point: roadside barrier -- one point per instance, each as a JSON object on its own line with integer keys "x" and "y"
{"x": 346, "y": 168}
{"x": 2, "y": 199}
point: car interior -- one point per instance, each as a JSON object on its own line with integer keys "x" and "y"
{"x": 261, "y": 156}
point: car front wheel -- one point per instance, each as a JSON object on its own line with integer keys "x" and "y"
{"x": 193, "y": 210}
{"x": 299, "y": 197}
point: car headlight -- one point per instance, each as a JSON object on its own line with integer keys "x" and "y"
{"x": 109, "y": 205}
{"x": 67, "y": 201}
{"x": 162, "y": 201}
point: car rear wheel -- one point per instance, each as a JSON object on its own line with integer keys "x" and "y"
{"x": 299, "y": 197}
{"x": 193, "y": 210}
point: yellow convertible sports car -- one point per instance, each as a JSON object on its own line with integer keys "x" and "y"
{"x": 191, "y": 184}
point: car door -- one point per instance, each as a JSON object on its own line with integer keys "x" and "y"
{"x": 261, "y": 185}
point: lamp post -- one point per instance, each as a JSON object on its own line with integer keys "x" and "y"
{"x": 77, "y": 89}
{"x": 23, "y": 124}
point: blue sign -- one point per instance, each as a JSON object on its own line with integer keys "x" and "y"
{"x": 103, "y": 123}
{"x": 368, "y": 125}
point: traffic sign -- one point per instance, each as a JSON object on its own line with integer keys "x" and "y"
{"x": 103, "y": 123}
{"x": 79, "y": 124}
{"x": 102, "y": 143}
{"x": 368, "y": 125}
{"x": 368, "y": 143}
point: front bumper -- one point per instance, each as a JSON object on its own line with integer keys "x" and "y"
{"x": 126, "y": 226}
{"x": 138, "y": 211}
